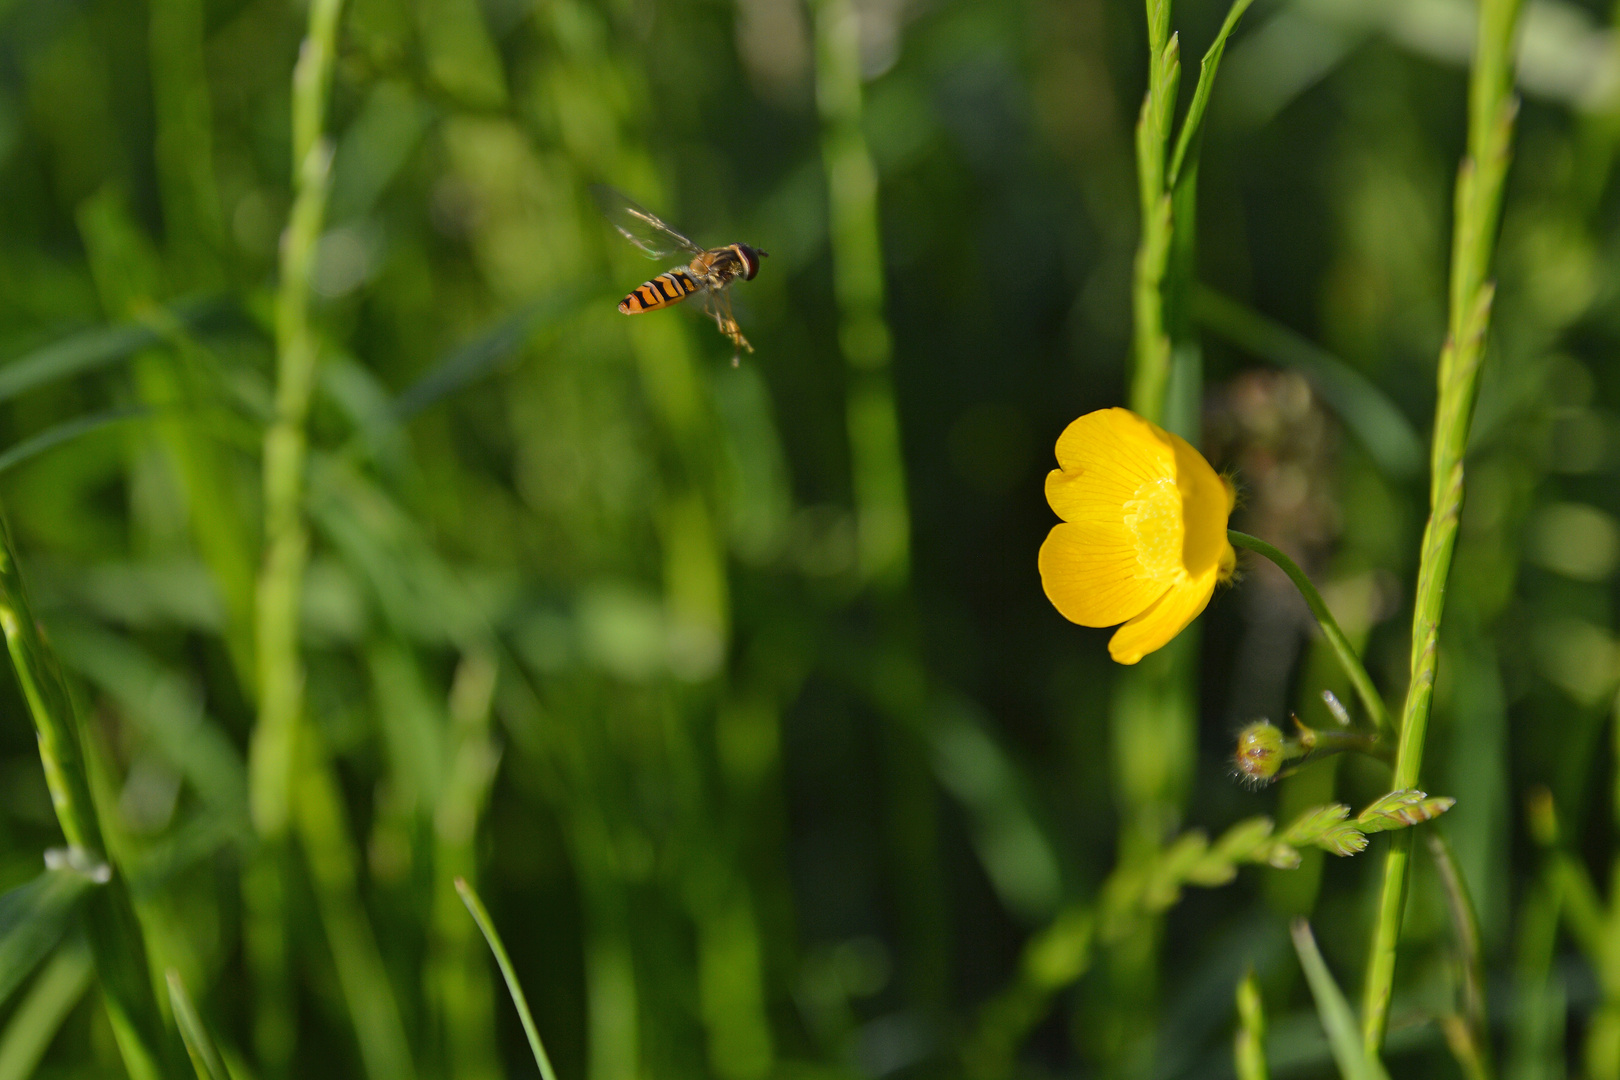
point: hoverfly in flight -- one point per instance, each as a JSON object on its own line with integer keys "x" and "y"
{"x": 711, "y": 271}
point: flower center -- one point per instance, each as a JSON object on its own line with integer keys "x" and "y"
{"x": 1154, "y": 519}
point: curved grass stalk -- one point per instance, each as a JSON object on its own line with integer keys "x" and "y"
{"x": 1491, "y": 109}
{"x": 1330, "y": 627}
{"x": 475, "y": 907}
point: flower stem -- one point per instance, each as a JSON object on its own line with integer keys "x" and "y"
{"x": 1330, "y": 627}
{"x": 1491, "y": 109}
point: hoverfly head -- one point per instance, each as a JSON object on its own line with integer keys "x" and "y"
{"x": 750, "y": 259}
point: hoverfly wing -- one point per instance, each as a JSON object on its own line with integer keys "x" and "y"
{"x": 646, "y": 230}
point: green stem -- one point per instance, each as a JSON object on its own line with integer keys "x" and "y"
{"x": 883, "y": 526}
{"x": 1491, "y": 109}
{"x": 278, "y": 666}
{"x": 1330, "y": 627}
{"x": 280, "y": 670}
{"x": 1150, "y": 378}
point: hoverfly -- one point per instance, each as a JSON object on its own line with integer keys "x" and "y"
{"x": 711, "y": 271}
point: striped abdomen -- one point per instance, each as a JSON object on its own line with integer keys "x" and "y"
{"x": 665, "y": 289}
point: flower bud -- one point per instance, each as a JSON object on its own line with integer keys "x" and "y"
{"x": 1259, "y": 752}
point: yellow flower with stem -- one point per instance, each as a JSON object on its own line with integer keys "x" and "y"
{"x": 1143, "y": 539}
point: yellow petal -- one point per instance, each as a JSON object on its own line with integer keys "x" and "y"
{"x": 1154, "y": 628}
{"x": 1206, "y": 502}
{"x": 1106, "y": 458}
{"x": 1092, "y": 575}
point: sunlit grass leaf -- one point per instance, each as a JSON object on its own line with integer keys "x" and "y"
{"x": 68, "y": 429}
{"x": 199, "y": 1044}
{"x": 481, "y": 917}
{"x": 43, "y": 1009}
{"x": 1344, "y": 1035}
{"x": 33, "y": 918}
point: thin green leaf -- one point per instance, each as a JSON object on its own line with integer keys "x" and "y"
{"x": 43, "y": 1009}
{"x": 481, "y": 917}
{"x": 1375, "y": 421}
{"x": 33, "y": 918}
{"x": 478, "y": 357}
{"x": 1192, "y": 126}
{"x": 98, "y": 347}
{"x": 199, "y": 1044}
{"x": 67, "y": 430}
{"x": 1344, "y": 1035}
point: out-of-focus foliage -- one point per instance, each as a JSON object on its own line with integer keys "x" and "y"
{"x": 753, "y": 728}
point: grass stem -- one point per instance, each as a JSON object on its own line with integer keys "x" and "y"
{"x": 1491, "y": 110}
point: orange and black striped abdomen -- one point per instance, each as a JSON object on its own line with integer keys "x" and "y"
{"x": 661, "y": 291}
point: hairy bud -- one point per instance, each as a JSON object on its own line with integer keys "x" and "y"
{"x": 1260, "y": 752}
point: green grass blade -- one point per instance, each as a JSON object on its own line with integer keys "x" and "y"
{"x": 481, "y": 917}
{"x": 199, "y": 1044}
{"x": 87, "y": 350}
{"x": 1381, "y": 428}
{"x": 1344, "y": 1034}
{"x": 1193, "y": 124}
{"x": 83, "y": 351}
{"x": 469, "y": 362}
{"x": 33, "y": 918}
{"x": 43, "y": 1009}
{"x": 63, "y": 432}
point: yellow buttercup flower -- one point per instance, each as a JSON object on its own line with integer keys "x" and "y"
{"x": 1143, "y": 539}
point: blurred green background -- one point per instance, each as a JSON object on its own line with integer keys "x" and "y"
{"x": 734, "y": 689}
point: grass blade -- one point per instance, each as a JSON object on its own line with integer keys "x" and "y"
{"x": 468, "y": 363}
{"x": 70, "y": 429}
{"x": 199, "y": 1044}
{"x": 1381, "y": 428}
{"x": 1344, "y": 1034}
{"x": 1192, "y": 126}
{"x": 97, "y": 347}
{"x": 40, "y": 1014}
{"x": 33, "y": 918}
{"x": 481, "y": 917}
